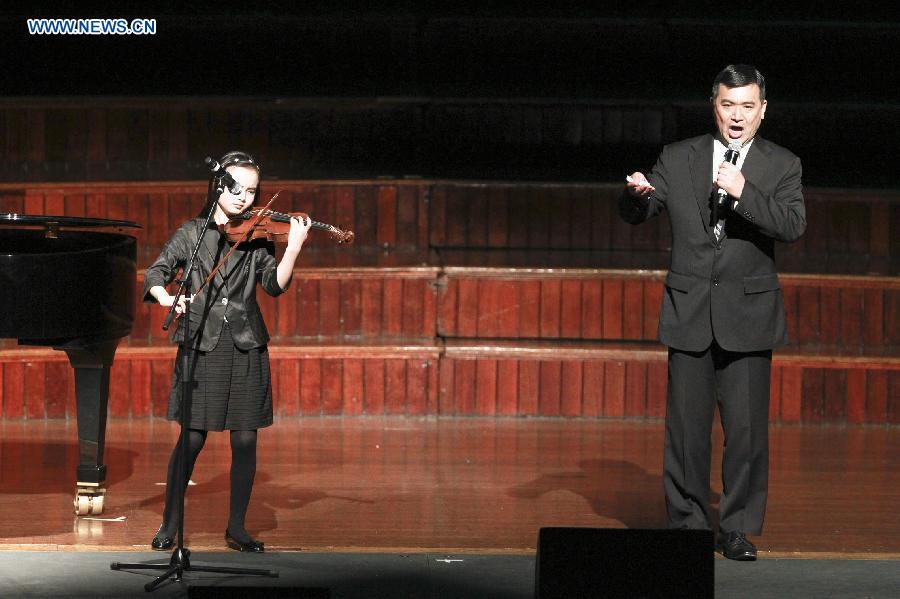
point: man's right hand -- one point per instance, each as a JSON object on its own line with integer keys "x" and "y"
{"x": 638, "y": 186}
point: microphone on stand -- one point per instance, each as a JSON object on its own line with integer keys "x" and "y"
{"x": 227, "y": 180}
{"x": 731, "y": 155}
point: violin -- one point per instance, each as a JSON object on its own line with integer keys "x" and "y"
{"x": 261, "y": 223}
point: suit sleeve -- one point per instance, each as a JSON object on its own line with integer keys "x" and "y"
{"x": 781, "y": 215}
{"x": 267, "y": 270}
{"x": 164, "y": 269}
{"x": 636, "y": 210}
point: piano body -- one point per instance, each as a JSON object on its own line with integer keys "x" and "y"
{"x": 69, "y": 283}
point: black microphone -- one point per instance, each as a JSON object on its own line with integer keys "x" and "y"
{"x": 233, "y": 186}
{"x": 731, "y": 155}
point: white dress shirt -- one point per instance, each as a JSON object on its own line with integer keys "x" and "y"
{"x": 719, "y": 150}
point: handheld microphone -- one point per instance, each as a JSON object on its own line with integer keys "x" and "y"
{"x": 227, "y": 180}
{"x": 731, "y": 155}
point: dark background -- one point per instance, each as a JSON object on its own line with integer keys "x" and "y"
{"x": 474, "y": 90}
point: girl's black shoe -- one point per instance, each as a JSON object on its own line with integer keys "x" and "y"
{"x": 162, "y": 542}
{"x": 253, "y": 546}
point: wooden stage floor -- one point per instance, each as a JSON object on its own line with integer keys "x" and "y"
{"x": 396, "y": 485}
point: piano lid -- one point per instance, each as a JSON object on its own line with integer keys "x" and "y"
{"x": 64, "y": 278}
{"x": 30, "y": 220}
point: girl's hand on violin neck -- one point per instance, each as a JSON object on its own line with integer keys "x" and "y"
{"x": 299, "y": 230}
{"x": 296, "y": 236}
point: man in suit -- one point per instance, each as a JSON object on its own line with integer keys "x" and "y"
{"x": 722, "y": 310}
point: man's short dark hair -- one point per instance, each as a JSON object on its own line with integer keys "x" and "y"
{"x": 739, "y": 75}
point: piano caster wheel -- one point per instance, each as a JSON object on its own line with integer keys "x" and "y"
{"x": 89, "y": 502}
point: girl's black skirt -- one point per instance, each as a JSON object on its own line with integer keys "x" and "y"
{"x": 231, "y": 387}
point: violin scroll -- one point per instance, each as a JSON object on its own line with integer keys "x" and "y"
{"x": 339, "y": 235}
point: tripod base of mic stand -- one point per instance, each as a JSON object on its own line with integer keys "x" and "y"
{"x": 180, "y": 563}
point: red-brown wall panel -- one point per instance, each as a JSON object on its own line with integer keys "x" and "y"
{"x": 373, "y": 396}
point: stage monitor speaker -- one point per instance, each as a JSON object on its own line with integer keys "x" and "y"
{"x": 248, "y": 592}
{"x": 612, "y": 563}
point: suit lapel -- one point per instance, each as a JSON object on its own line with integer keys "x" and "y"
{"x": 756, "y": 164}
{"x": 700, "y": 162}
{"x": 215, "y": 253}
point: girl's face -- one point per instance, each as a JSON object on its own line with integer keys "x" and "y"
{"x": 248, "y": 178}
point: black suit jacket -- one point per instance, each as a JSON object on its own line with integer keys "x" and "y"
{"x": 728, "y": 290}
{"x": 235, "y": 283}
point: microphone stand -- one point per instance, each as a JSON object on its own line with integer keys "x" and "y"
{"x": 180, "y": 562}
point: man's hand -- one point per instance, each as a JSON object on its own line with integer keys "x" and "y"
{"x": 730, "y": 179}
{"x": 638, "y": 186}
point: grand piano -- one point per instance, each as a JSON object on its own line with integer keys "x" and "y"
{"x": 69, "y": 283}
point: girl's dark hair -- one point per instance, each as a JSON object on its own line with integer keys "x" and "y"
{"x": 739, "y": 75}
{"x": 232, "y": 158}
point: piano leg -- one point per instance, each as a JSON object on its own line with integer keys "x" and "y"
{"x": 91, "y": 364}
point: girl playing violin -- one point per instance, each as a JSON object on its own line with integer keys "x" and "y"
{"x": 229, "y": 371}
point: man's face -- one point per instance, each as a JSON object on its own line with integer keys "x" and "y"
{"x": 739, "y": 112}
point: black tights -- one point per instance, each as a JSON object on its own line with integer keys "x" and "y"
{"x": 243, "y": 470}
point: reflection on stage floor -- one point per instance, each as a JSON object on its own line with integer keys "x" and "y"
{"x": 439, "y": 484}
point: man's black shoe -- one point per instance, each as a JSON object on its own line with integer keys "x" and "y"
{"x": 734, "y": 545}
